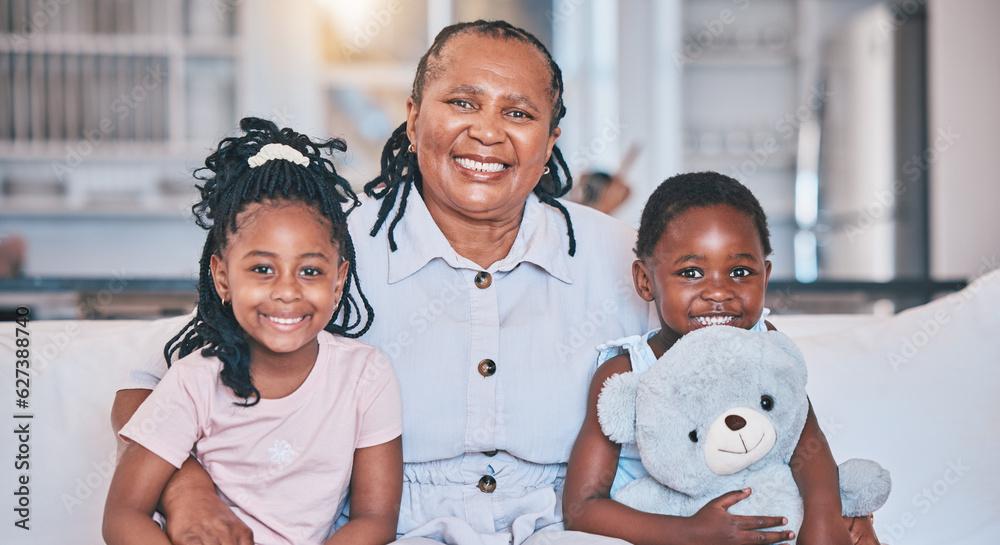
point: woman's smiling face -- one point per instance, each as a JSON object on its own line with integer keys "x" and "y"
{"x": 481, "y": 130}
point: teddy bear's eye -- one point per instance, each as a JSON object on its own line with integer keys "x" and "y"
{"x": 693, "y": 436}
{"x": 766, "y": 402}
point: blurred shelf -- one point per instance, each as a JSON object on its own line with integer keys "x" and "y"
{"x": 854, "y": 296}
{"x": 735, "y": 58}
{"x": 98, "y": 298}
{"x": 54, "y": 284}
{"x": 121, "y": 45}
{"x": 116, "y": 211}
{"x": 726, "y": 162}
{"x": 63, "y": 151}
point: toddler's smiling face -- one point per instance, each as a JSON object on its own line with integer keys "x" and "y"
{"x": 707, "y": 269}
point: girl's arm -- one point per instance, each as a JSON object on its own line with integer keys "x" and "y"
{"x": 194, "y": 512}
{"x": 376, "y": 489}
{"x": 812, "y": 443}
{"x": 135, "y": 488}
{"x": 815, "y": 473}
{"x": 588, "y": 507}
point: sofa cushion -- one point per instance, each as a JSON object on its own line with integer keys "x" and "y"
{"x": 919, "y": 392}
{"x": 76, "y": 368}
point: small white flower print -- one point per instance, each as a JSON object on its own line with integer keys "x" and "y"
{"x": 281, "y": 452}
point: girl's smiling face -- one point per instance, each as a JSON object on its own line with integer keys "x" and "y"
{"x": 283, "y": 275}
{"x": 708, "y": 268}
{"x": 481, "y": 130}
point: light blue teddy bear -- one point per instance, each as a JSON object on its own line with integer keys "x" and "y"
{"x": 722, "y": 410}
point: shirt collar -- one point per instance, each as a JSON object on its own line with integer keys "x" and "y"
{"x": 542, "y": 240}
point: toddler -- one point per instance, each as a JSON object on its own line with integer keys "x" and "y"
{"x": 702, "y": 252}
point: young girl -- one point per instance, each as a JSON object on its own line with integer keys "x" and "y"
{"x": 284, "y": 415}
{"x": 702, "y": 254}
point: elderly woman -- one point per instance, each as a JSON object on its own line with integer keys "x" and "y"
{"x": 490, "y": 296}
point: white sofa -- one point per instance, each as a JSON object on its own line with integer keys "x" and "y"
{"x": 917, "y": 392}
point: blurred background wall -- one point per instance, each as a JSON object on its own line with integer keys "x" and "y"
{"x": 867, "y": 128}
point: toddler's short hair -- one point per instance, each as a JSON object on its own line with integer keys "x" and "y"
{"x": 692, "y": 190}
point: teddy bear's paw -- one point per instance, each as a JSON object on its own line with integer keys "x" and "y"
{"x": 864, "y": 486}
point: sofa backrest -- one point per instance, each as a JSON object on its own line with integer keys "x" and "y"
{"x": 917, "y": 392}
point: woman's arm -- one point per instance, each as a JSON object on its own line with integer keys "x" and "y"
{"x": 588, "y": 507}
{"x": 195, "y": 514}
{"x": 376, "y": 489}
{"x": 135, "y": 488}
{"x": 125, "y": 405}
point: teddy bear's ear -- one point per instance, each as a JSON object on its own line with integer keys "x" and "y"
{"x": 786, "y": 344}
{"x": 616, "y": 407}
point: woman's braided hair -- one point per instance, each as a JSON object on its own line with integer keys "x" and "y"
{"x": 230, "y": 185}
{"x": 400, "y": 171}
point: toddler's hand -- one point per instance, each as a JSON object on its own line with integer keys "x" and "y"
{"x": 713, "y": 523}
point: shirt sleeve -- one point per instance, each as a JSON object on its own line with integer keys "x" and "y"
{"x": 168, "y": 423}
{"x": 147, "y": 375}
{"x": 151, "y": 370}
{"x": 381, "y": 408}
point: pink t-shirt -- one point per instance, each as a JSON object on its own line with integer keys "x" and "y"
{"x": 283, "y": 465}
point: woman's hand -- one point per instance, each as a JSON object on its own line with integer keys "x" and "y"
{"x": 613, "y": 196}
{"x": 862, "y": 530}
{"x": 206, "y": 521}
{"x": 713, "y": 523}
{"x": 195, "y": 513}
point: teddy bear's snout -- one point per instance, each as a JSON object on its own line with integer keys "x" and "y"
{"x": 737, "y": 439}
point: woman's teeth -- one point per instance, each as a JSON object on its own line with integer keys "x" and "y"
{"x": 482, "y": 167}
{"x": 714, "y": 320}
{"x": 286, "y": 321}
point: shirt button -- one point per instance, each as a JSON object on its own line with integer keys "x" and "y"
{"x": 487, "y": 484}
{"x": 490, "y": 453}
{"x": 487, "y": 367}
{"x": 483, "y": 280}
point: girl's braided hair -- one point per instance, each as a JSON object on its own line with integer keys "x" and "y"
{"x": 230, "y": 185}
{"x": 400, "y": 171}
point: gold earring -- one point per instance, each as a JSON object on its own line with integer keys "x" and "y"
{"x": 411, "y": 149}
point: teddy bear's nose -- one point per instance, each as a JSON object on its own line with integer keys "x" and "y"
{"x": 735, "y": 422}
